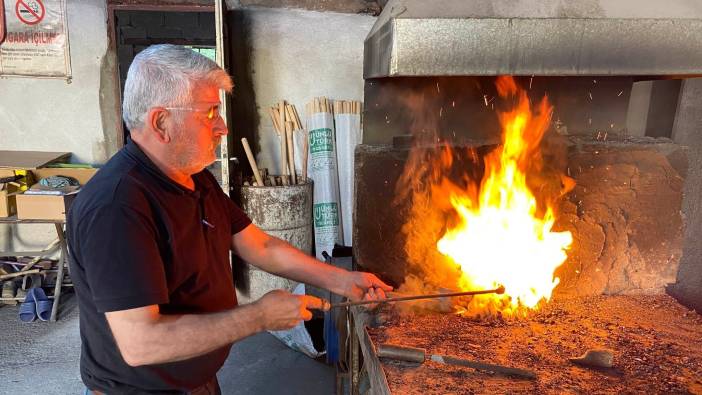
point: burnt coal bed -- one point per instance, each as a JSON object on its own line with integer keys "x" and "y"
{"x": 656, "y": 345}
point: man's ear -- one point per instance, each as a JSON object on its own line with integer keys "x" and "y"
{"x": 157, "y": 121}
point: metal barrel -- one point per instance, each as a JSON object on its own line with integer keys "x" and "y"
{"x": 286, "y": 213}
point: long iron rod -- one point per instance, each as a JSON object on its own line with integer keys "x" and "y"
{"x": 498, "y": 290}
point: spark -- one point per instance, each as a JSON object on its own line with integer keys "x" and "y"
{"x": 590, "y": 94}
{"x": 437, "y": 88}
{"x": 531, "y": 80}
{"x": 486, "y": 100}
{"x": 620, "y": 93}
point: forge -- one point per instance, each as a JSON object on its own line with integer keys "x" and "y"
{"x": 610, "y": 172}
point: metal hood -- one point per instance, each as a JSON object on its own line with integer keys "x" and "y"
{"x": 535, "y": 37}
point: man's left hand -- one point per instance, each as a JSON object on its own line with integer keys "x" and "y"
{"x": 364, "y": 286}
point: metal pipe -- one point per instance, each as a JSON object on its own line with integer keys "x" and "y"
{"x": 498, "y": 290}
{"x": 419, "y": 355}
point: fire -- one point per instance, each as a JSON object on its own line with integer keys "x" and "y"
{"x": 503, "y": 235}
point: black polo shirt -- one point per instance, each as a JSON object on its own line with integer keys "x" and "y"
{"x": 137, "y": 238}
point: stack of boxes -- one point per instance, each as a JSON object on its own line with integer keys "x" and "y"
{"x": 35, "y": 165}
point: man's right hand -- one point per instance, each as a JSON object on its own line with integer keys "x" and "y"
{"x": 282, "y": 310}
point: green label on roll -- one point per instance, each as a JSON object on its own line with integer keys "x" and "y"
{"x": 321, "y": 140}
{"x": 326, "y": 214}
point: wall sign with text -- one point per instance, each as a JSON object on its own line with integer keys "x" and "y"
{"x": 36, "y": 39}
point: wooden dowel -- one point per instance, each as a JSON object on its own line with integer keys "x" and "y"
{"x": 297, "y": 118}
{"x": 289, "y": 115}
{"x": 281, "y": 114}
{"x": 283, "y": 142}
{"x": 252, "y": 160}
{"x": 17, "y": 274}
{"x": 291, "y": 152}
{"x": 283, "y": 155}
{"x": 274, "y": 116}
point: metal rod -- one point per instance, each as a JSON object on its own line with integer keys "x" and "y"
{"x": 500, "y": 369}
{"x": 498, "y": 290}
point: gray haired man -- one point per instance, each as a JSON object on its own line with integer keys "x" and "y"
{"x": 150, "y": 237}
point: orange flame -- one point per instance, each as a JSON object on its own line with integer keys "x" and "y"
{"x": 504, "y": 235}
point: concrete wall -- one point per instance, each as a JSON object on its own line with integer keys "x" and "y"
{"x": 293, "y": 55}
{"x": 53, "y": 115}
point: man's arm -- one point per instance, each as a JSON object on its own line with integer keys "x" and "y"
{"x": 145, "y": 337}
{"x": 278, "y": 257}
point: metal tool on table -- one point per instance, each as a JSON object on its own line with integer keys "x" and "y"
{"x": 327, "y": 305}
{"x": 419, "y": 355}
{"x": 4, "y": 180}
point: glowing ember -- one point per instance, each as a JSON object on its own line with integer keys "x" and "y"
{"x": 503, "y": 236}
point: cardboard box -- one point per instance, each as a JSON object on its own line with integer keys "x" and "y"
{"x": 7, "y": 199}
{"x": 30, "y": 160}
{"x": 50, "y": 207}
{"x": 8, "y": 205}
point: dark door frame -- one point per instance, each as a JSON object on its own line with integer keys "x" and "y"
{"x": 138, "y": 5}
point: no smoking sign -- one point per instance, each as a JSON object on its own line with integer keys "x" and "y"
{"x": 30, "y": 12}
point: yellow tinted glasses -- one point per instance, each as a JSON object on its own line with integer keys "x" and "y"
{"x": 210, "y": 113}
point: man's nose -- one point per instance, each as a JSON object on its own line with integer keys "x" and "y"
{"x": 220, "y": 128}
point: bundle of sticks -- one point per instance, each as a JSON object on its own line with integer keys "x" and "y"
{"x": 322, "y": 104}
{"x": 318, "y": 104}
{"x": 347, "y": 107}
{"x": 286, "y": 123}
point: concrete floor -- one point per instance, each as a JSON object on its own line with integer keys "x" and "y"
{"x": 42, "y": 358}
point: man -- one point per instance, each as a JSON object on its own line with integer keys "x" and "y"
{"x": 150, "y": 237}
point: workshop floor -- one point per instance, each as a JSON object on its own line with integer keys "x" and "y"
{"x": 42, "y": 358}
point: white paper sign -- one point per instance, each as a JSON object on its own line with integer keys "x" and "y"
{"x": 36, "y": 39}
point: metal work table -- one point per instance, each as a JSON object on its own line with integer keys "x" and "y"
{"x": 59, "y": 243}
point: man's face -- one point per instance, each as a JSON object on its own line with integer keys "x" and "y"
{"x": 198, "y": 132}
